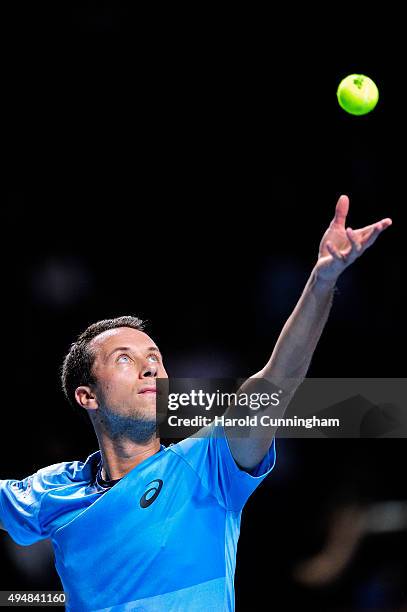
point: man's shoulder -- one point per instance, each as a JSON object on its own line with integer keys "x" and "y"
{"x": 194, "y": 449}
{"x": 69, "y": 472}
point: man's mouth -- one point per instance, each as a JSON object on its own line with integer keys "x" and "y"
{"x": 148, "y": 390}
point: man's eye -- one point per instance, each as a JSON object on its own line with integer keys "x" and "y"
{"x": 153, "y": 359}
{"x": 126, "y": 359}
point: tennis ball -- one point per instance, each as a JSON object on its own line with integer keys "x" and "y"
{"x": 357, "y": 94}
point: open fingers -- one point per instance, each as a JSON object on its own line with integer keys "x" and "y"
{"x": 348, "y": 256}
{"x": 356, "y": 244}
{"x": 374, "y": 232}
{"x": 336, "y": 254}
{"x": 366, "y": 232}
{"x": 373, "y": 237}
{"x": 342, "y": 211}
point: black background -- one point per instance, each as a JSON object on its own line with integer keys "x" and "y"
{"x": 182, "y": 166}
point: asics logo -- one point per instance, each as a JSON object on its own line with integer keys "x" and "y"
{"x": 152, "y": 494}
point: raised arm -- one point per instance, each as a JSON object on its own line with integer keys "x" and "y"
{"x": 290, "y": 361}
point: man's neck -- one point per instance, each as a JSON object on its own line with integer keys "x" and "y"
{"x": 121, "y": 456}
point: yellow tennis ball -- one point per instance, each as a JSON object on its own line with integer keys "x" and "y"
{"x": 357, "y": 94}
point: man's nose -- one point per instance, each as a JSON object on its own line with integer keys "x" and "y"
{"x": 150, "y": 371}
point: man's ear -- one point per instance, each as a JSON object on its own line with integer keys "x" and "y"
{"x": 86, "y": 398}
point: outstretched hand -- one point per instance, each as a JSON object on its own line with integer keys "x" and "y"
{"x": 341, "y": 246}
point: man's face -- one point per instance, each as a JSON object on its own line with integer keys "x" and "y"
{"x": 126, "y": 367}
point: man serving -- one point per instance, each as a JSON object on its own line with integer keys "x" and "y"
{"x": 141, "y": 526}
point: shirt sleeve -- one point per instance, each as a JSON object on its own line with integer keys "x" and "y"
{"x": 20, "y": 502}
{"x": 209, "y": 455}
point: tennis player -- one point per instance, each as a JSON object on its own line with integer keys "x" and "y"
{"x": 141, "y": 526}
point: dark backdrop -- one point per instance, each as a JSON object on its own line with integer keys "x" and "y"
{"x": 183, "y": 168}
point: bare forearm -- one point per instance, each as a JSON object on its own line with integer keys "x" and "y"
{"x": 299, "y": 338}
{"x": 288, "y": 366}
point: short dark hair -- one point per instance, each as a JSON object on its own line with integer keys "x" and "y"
{"x": 78, "y": 363}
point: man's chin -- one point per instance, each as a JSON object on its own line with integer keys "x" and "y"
{"x": 141, "y": 430}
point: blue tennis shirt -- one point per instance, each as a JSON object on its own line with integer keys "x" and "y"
{"x": 164, "y": 538}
